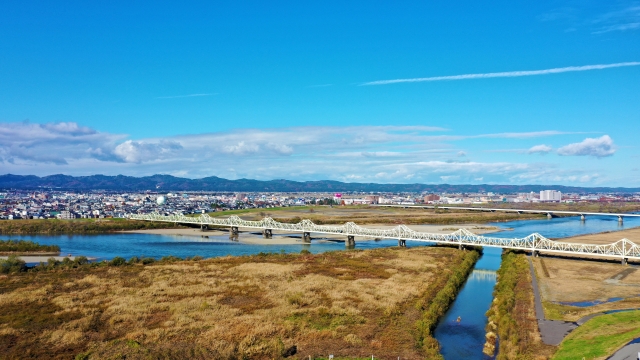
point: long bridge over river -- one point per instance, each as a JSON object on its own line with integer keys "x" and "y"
{"x": 535, "y": 243}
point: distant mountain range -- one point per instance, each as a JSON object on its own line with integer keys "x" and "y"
{"x": 213, "y": 183}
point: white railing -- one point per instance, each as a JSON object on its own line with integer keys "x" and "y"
{"x": 625, "y": 249}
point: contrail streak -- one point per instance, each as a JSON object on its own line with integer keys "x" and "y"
{"x": 505, "y": 74}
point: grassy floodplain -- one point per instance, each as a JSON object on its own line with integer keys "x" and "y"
{"x": 350, "y": 304}
{"x": 26, "y": 247}
{"x": 512, "y": 315}
{"x": 77, "y": 226}
{"x": 600, "y": 337}
{"x": 364, "y": 214}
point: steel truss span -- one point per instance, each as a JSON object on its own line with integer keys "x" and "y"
{"x": 623, "y": 249}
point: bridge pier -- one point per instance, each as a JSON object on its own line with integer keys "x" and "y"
{"x": 549, "y": 215}
{"x": 624, "y": 261}
{"x": 582, "y": 217}
{"x": 351, "y": 241}
{"x": 402, "y": 243}
{"x": 204, "y": 227}
{"x": 306, "y": 237}
{"x": 267, "y": 233}
{"x": 620, "y": 219}
{"x": 535, "y": 253}
{"x": 234, "y": 230}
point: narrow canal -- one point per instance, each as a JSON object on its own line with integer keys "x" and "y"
{"x": 465, "y": 339}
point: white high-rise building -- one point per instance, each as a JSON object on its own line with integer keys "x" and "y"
{"x": 550, "y": 195}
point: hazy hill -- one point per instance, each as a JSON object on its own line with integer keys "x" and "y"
{"x": 213, "y": 183}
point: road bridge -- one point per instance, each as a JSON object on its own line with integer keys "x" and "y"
{"x": 550, "y": 213}
{"x": 535, "y": 243}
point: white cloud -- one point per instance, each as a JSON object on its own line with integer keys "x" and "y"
{"x": 505, "y": 74}
{"x": 540, "y": 149}
{"x": 354, "y": 153}
{"x": 143, "y": 151}
{"x": 600, "y": 147}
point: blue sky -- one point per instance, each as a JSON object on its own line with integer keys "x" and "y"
{"x": 274, "y": 89}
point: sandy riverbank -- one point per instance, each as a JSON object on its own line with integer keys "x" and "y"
{"x": 250, "y": 236}
{"x": 608, "y": 237}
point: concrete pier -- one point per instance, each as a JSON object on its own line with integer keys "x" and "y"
{"x": 620, "y": 219}
{"x": 234, "y": 230}
{"x": 351, "y": 241}
{"x": 582, "y": 217}
{"x": 267, "y": 233}
{"x": 402, "y": 243}
{"x": 306, "y": 237}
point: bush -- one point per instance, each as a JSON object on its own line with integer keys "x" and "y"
{"x": 81, "y": 260}
{"x": 170, "y": 258}
{"x": 117, "y": 261}
{"x": 134, "y": 260}
{"x": 305, "y": 252}
{"x": 148, "y": 260}
{"x": 13, "y": 264}
{"x": 197, "y": 258}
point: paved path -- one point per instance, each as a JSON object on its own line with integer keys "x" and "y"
{"x": 628, "y": 352}
{"x": 551, "y": 331}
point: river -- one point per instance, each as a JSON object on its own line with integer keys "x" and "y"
{"x": 463, "y": 340}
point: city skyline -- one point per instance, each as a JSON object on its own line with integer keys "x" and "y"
{"x": 358, "y": 92}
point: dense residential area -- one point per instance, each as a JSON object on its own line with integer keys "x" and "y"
{"x": 23, "y": 204}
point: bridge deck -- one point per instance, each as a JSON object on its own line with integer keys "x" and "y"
{"x": 622, "y": 249}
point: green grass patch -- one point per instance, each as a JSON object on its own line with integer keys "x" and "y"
{"x": 600, "y": 336}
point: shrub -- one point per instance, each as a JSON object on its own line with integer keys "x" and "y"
{"x": 197, "y": 258}
{"x": 305, "y": 252}
{"x": 12, "y": 264}
{"x": 148, "y": 260}
{"x": 134, "y": 260}
{"x": 117, "y": 261}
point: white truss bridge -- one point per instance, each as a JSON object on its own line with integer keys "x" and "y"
{"x": 622, "y": 249}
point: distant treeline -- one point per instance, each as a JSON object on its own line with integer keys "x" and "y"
{"x": 80, "y": 226}
{"x": 26, "y": 246}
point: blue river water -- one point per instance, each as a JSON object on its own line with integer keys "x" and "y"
{"x": 458, "y": 340}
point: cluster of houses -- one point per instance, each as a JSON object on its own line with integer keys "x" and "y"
{"x": 100, "y": 204}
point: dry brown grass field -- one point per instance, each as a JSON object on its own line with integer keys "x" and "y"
{"x": 568, "y": 280}
{"x": 362, "y": 215}
{"x": 349, "y": 304}
{"x": 607, "y": 237}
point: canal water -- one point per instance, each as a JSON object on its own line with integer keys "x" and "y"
{"x": 459, "y": 340}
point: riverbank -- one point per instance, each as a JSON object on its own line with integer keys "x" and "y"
{"x": 606, "y": 237}
{"x": 512, "y": 316}
{"x": 349, "y": 304}
{"x": 288, "y": 238}
{"x": 77, "y": 226}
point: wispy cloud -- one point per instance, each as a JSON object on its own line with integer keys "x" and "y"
{"x": 618, "y": 20}
{"x": 184, "y": 96}
{"x": 505, "y": 74}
